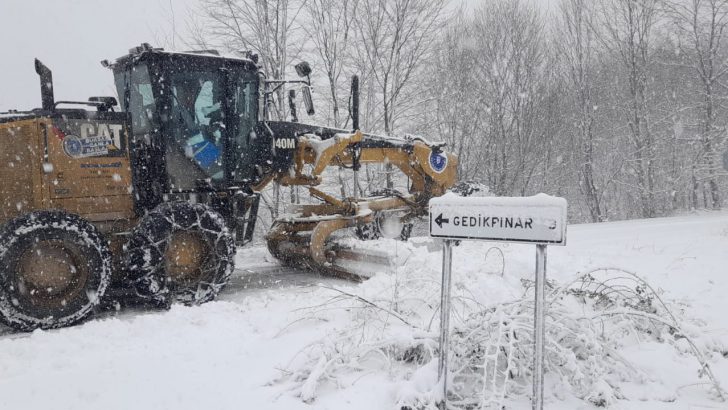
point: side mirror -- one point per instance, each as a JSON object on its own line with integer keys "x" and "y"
{"x": 104, "y": 104}
{"x": 303, "y": 69}
{"x": 307, "y": 100}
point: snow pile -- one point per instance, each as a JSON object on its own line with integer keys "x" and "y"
{"x": 391, "y": 325}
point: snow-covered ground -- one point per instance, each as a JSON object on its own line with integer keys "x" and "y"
{"x": 283, "y": 339}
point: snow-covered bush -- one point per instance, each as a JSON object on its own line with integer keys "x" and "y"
{"x": 588, "y": 321}
{"x": 393, "y": 325}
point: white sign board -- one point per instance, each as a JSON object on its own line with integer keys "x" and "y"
{"x": 539, "y": 219}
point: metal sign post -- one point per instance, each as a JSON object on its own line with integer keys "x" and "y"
{"x": 444, "y": 320}
{"x": 540, "y": 220}
{"x": 539, "y": 315}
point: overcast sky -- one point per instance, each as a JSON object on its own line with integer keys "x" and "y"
{"x": 73, "y": 36}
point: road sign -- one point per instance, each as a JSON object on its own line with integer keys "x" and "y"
{"x": 536, "y": 219}
{"x": 539, "y": 219}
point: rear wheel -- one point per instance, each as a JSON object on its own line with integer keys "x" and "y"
{"x": 180, "y": 252}
{"x": 55, "y": 267}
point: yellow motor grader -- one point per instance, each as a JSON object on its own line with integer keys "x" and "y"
{"x": 155, "y": 196}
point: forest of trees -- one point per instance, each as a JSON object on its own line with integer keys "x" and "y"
{"x": 617, "y": 105}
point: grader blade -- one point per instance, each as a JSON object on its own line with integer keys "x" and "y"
{"x": 317, "y": 246}
{"x": 365, "y": 260}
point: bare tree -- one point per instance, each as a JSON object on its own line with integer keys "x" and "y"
{"x": 628, "y": 26}
{"x": 458, "y": 105}
{"x": 262, "y": 26}
{"x": 513, "y": 81}
{"x": 701, "y": 25}
{"x": 197, "y": 36}
{"x": 394, "y": 38}
{"x": 577, "y": 49}
{"x": 330, "y": 29}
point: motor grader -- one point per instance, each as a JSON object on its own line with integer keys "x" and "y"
{"x": 154, "y": 197}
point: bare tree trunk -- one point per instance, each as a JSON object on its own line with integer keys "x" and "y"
{"x": 702, "y": 24}
{"x": 512, "y": 80}
{"x": 577, "y": 51}
{"x": 628, "y": 26}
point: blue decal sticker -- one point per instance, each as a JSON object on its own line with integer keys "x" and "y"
{"x": 96, "y": 146}
{"x": 438, "y": 162}
{"x": 72, "y": 146}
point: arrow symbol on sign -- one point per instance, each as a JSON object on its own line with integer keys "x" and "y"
{"x": 440, "y": 220}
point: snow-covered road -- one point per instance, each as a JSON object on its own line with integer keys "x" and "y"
{"x": 218, "y": 356}
{"x": 236, "y": 352}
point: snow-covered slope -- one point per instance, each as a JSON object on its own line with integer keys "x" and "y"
{"x": 281, "y": 339}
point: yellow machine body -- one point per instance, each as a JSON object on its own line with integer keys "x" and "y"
{"x": 39, "y": 174}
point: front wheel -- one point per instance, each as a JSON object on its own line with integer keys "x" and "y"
{"x": 54, "y": 269}
{"x": 384, "y": 225}
{"x": 180, "y": 252}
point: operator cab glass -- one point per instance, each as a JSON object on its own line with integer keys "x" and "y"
{"x": 195, "y": 128}
{"x": 245, "y": 112}
{"x": 199, "y": 111}
{"x": 141, "y": 99}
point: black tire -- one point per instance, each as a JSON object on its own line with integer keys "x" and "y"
{"x": 371, "y": 231}
{"x": 273, "y": 246}
{"x": 406, "y": 231}
{"x": 55, "y": 268}
{"x": 171, "y": 227}
{"x": 367, "y": 231}
{"x": 281, "y": 251}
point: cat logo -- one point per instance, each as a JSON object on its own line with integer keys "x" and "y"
{"x": 95, "y": 140}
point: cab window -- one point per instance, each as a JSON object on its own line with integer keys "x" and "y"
{"x": 197, "y": 120}
{"x": 141, "y": 99}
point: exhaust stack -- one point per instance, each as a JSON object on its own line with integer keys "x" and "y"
{"x": 46, "y": 85}
{"x": 355, "y": 102}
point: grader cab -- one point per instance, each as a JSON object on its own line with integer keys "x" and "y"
{"x": 155, "y": 195}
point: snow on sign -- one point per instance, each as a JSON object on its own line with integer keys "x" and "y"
{"x": 539, "y": 219}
